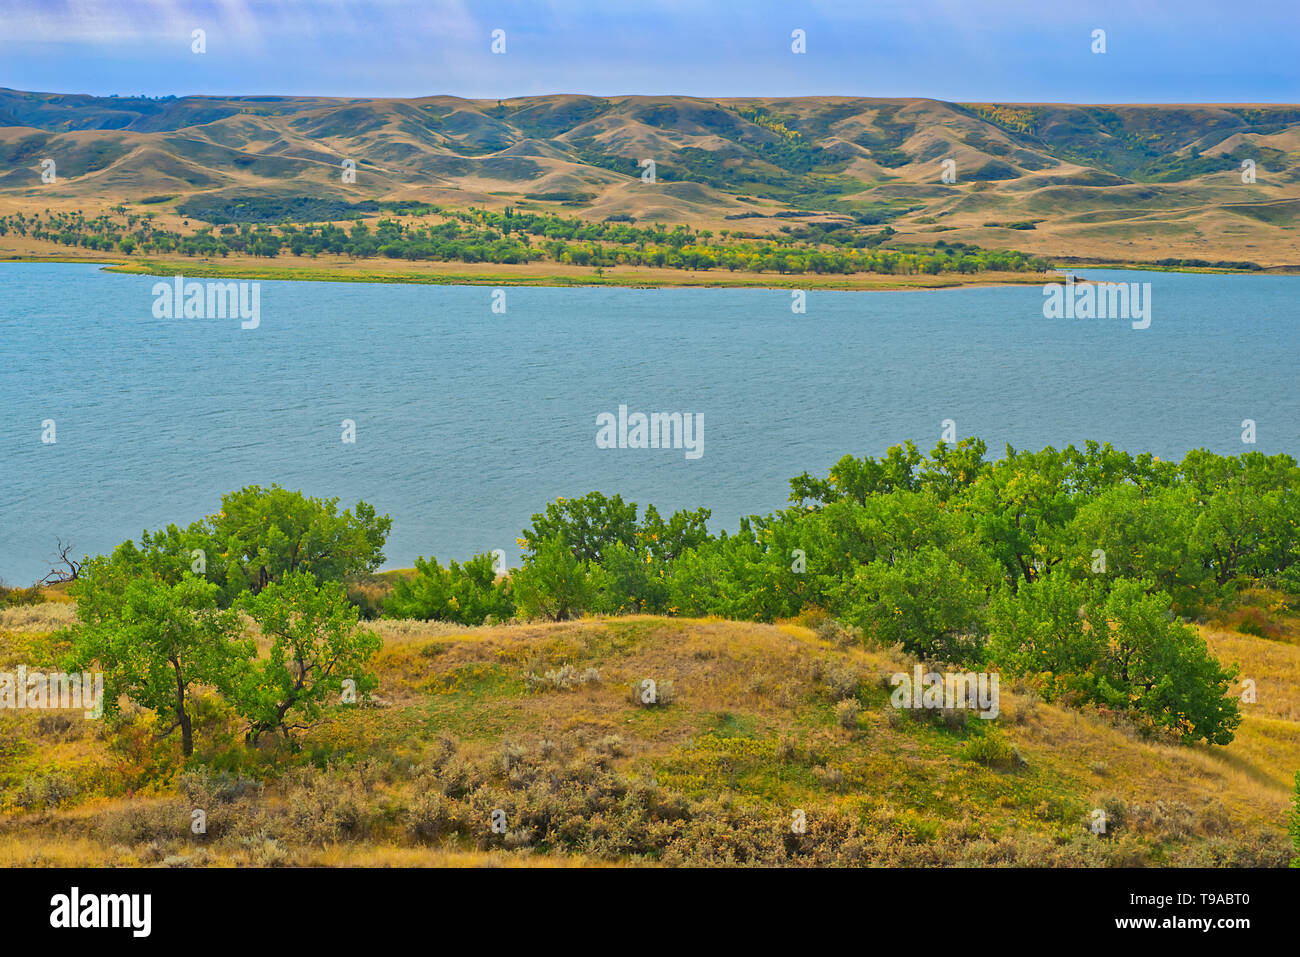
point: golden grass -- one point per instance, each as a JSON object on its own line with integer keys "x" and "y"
{"x": 741, "y": 690}
{"x": 44, "y": 617}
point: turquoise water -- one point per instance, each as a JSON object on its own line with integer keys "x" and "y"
{"x": 468, "y": 421}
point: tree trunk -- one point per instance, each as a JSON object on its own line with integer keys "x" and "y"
{"x": 182, "y": 718}
{"x": 187, "y": 734}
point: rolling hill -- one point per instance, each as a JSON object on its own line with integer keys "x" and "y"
{"x": 1134, "y": 183}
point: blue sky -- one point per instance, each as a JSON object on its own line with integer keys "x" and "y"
{"x": 1188, "y": 51}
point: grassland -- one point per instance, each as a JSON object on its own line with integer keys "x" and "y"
{"x": 587, "y": 774}
{"x": 1122, "y": 184}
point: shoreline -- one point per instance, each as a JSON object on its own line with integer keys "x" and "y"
{"x": 496, "y": 275}
{"x": 457, "y": 274}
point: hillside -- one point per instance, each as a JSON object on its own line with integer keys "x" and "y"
{"x": 1081, "y": 183}
{"x": 586, "y": 774}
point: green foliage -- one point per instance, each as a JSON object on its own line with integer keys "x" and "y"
{"x": 553, "y": 584}
{"x": 1074, "y": 563}
{"x": 627, "y": 559}
{"x": 1041, "y": 628}
{"x": 589, "y": 525}
{"x": 261, "y": 535}
{"x": 468, "y": 594}
{"x": 924, "y": 601}
{"x": 518, "y": 236}
{"x": 316, "y": 645}
{"x": 1161, "y": 667}
{"x": 1067, "y": 566}
{"x": 154, "y": 641}
{"x": 12, "y": 597}
{"x": 989, "y": 749}
{"x": 257, "y": 537}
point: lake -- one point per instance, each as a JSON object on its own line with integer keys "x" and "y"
{"x": 467, "y": 421}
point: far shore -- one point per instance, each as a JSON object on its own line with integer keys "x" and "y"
{"x": 555, "y": 275}
{"x": 532, "y": 274}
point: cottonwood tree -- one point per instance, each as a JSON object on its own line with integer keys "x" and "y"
{"x": 155, "y": 641}
{"x": 553, "y": 584}
{"x": 261, "y": 535}
{"x": 316, "y": 643}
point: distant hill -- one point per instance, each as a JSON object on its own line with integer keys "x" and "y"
{"x": 1127, "y": 183}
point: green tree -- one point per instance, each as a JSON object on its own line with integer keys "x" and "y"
{"x": 154, "y": 640}
{"x": 856, "y": 480}
{"x": 1140, "y": 534}
{"x": 316, "y": 644}
{"x": 1042, "y": 628}
{"x": 924, "y": 601}
{"x": 261, "y": 535}
{"x": 590, "y": 525}
{"x": 1018, "y": 508}
{"x": 553, "y": 584}
{"x": 1161, "y": 667}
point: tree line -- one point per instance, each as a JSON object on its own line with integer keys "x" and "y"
{"x": 512, "y": 237}
{"x": 1076, "y": 569}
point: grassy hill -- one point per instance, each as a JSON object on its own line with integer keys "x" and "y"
{"x": 1120, "y": 183}
{"x": 468, "y": 721}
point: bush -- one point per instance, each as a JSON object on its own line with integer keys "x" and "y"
{"x": 846, "y": 714}
{"x": 564, "y": 678}
{"x": 842, "y": 682}
{"x": 838, "y": 632}
{"x": 13, "y": 597}
{"x": 988, "y": 749}
{"x": 46, "y": 791}
{"x": 325, "y": 808}
{"x": 466, "y": 594}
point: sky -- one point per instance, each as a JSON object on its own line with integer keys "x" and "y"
{"x": 1157, "y": 51}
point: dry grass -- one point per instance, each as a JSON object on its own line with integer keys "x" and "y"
{"x": 754, "y": 719}
{"x": 44, "y": 617}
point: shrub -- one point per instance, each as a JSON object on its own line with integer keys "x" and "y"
{"x": 467, "y": 594}
{"x": 564, "y": 678}
{"x": 45, "y": 791}
{"x": 846, "y": 713}
{"x": 988, "y": 749}
{"x": 842, "y": 682}
{"x": 326, "y": 808}
{"x": 838, "y": 632}
{"x": 14, "y": 597}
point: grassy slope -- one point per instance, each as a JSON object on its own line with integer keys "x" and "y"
{"x": 1125, "y": 184}
{"x": 753, "y": 720}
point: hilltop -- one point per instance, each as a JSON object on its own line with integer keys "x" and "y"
{"x": 1137, "y": 183}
